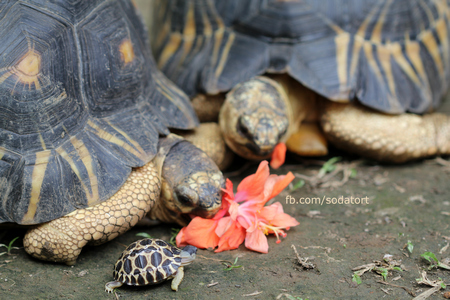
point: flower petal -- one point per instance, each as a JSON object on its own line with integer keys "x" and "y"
{"x": 284, "y": 220}
{"x": 256, "y": 241}
{"x": 275, "y": 184}
{"x": 275, "y": 216}
{"x": 227, "y": 199}
{"x": 180, "y": 239}
{"x": 278, "y": 156}
{"x": 201, "y": 233}
{"x": 232, "y": 238}
{"x": 223, "y": 225}
{"x": 253, "y": 185}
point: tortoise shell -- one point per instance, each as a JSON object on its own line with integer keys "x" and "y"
{"x": 81, "y": 103}
{"x": 147, "y": 261}
{"x": 392, "y": 55}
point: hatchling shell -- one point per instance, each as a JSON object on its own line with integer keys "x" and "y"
{"x": 147, "y": 261}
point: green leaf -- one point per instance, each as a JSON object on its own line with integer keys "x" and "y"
{"x": 398, "y": 269}
{"x": 298, "y": 185}
{"x": 356, "y": 278}
{"x": 383, "y": 272}
{"x": 173, "y": 237}
{"x": 428, "y": 255}
{"x": 230, "y": 266}
{"x": 9, "y": 247}
{"x": 353, "y": 173}
{"x": 329, "y": 166}
{"x": 441, "y": 265}
{"x": 144, "y": 234}
{"x": 410, "y": 246}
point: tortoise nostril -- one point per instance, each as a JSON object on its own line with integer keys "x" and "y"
{"x": 243, "y": 126}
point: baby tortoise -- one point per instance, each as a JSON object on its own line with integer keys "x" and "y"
{"x": 151, "y": 261}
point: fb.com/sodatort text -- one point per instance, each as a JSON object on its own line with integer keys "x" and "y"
{"x": 327, "y": 200}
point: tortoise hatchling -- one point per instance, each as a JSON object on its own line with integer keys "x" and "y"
{"x": 85, "y": 147}
{"x": 151, "y": 261}
{"x": 352, "y": 72}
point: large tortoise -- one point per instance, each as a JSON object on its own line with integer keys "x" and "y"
{"x": 82, "y": 107}
{"x": 393, "y": 56}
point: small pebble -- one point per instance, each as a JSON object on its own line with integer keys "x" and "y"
{"x": 447, "y": 295}
{"x": 238, "y": 285}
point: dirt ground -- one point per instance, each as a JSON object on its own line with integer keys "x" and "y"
{"x": 405, "y": 203}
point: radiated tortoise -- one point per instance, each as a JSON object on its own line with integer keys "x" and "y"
{"x": 82, "y": 107}
{"x": 281, "y": 62}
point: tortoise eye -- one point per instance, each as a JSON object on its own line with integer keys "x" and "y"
{"x": 184, "y": 199}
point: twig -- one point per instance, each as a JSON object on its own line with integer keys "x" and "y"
{"x": 213, "y": 284}
{"x": 302, "y": 261}
{"x": 427, "y": 293}
{"x": 252, "y": 294}
{"x": 399, "y": 286}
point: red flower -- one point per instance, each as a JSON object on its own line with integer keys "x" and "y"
{"x": 250, "y": 221}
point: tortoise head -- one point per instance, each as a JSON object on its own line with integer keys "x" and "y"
{"x": 255, "y": 118}
{"x": 188, "y": 254}
{"x": 191, "y": 185}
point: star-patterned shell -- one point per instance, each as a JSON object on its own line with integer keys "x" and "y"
{"x": 81, "y": 104}
{"x": 147, "y": 261}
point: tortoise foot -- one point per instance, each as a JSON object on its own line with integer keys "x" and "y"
{"x": 61, "y": 240}
{"x": 389, "y": 138}
{"x": 309, "y": 140}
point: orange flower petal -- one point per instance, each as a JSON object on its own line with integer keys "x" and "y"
{"x": 256, "y": 241}
{"x": 284, "y": 220}
{"x": 227, "y": 199}
{"x": 278, "y": 156}
{"x": 232, "y": 238}
{"x": 275, "y": 215}
{"x": 180, "y": 239}
{"x": 201, "y": 233}
{"x": 223, "y": 225}
{"x": 279, "y": 184}
{"x": 253, "y": 185}
{"x": 269, "y": 212}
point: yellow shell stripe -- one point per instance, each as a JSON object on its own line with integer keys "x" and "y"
{"x": 37, "y": 177}
{"x": 169, "y": 94}
{"x": 137, "y": 151}
{"x": 359, "y": 41}
{"x": 41, "y": 139}
{"x": 218, "y": 36}
{"x": 90, "y": 196}
{"x": 442, "y": 32}
{"x": 188, "y": 32}
{"x": 431, "y": 44}
{"x": 2, "y": 152}
{"x": 342, "y": 40}
{"x": 383, "y": 52}
{"x": 224, "y": 56}
{"x": 164, "y": 29}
